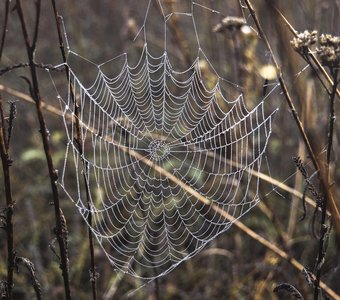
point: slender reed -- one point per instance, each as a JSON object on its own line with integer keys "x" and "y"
{"x": 324, "y": 180}
{"x": 93, "y": 276}
{"x": 6, "y": 164}
{"x": 35, "y": 92}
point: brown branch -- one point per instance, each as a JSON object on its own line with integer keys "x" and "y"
{"x": 4, "y": 29}
{"x": 93, "y": 275}
{"x": 30, "y": 48}
{"x": 6, "y": 163}
{"x": 25, "y": 65}
{"x": 324, "y": 229}
{"x": 283, "y": 85}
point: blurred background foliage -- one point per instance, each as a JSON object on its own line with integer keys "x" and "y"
{"x": 233, "y": 266}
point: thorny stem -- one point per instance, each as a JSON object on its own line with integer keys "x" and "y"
{"x": 30, "y": 47}
{"x": 323, "y": 226}
{"x": 79, "y": 143}
{"x": 6, "y": 163}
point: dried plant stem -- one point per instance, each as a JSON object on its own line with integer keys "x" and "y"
{"x": 6, "y": 163}
{"x": 25, "y": 65}
{"x": 283, "y": 85}
{"x": 331, "y": 116}
{"x": 80, "y": 149}
{"x": 30, "y": 47}
{"x": 269, "y": 245}
{"x": 323, "y": 224}
{"x": 4, "y": 29}
{"x": 324, "y": 183}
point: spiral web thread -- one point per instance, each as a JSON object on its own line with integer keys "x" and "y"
{"x": 163, "y": 156}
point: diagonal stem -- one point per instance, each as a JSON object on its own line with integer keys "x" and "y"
{"x": 269, "y": 245}
{"x": 316, "y": 163}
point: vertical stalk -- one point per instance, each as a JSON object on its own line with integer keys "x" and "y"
{"x": 35, "y": 93}
{"x": 6, "y": 163}
{"x": 80, "y": 148}
{"x": 323, "y": 225}
{"x": 331, "y": 116}
{"x": 324, "y": 178}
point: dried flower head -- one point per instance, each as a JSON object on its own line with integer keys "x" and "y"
{"x": 229, "y": 23}
{"x": 329, "y": 50}
{"x": 303, "y": 41}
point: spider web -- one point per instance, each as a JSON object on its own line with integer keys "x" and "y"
{"x": 167, "y": 157}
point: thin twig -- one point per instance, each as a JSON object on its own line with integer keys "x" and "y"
{"x": 323, "y": 225}
{"x": 6, "y": 163}
{"x": 324, "y": 182}
{"x": 4, "y": 29}
{"x": 93, "y": 275}
{"x": 331, "y": 116}
{"x": 30, "y": 47}
{"x": 25, "y": 65}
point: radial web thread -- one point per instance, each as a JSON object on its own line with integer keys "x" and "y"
{"x": 162, "y": 155}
